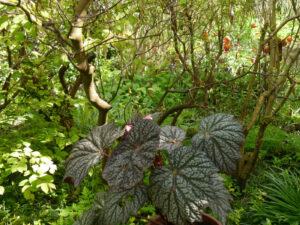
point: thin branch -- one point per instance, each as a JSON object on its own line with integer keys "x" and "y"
{"x": 61, "y": 75}
{"x": 279, "y": 27}
{"x": 177, "y": 108}
{"x": 168, "y": 90}
{"x": 210, "y": 84}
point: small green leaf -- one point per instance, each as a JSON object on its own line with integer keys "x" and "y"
{"x": 33, "y": 178}
{"x": 44, "y": 187}
{"x": 23, "y": 182}
{"x": 25, "y": 188}
{"x": 28, "y": 195}
{"x": 2, "y": 189}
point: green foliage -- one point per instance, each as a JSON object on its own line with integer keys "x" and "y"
{"x": 278, "y": 146}
{"x": 41, "y": 120}
{"x": 181, "y": 189}
{"x": 277, "y": 200}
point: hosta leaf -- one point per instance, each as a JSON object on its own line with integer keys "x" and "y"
{"x": 120, "y": 204}
{"x": 171, "y": 137}
{"x": 219, "y": 199}
{"x": 125, "y": 167}
{"x": 179, "y": 190}
{"x": 88, "y": 152}
{"x": 220, "y": 137}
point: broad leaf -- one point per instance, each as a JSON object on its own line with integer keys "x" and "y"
{"x": 120, "y": 204}
{"x": 135, "y": 119}
{"x": 219, "y": 199}
{"x": 95, "y": 215}
{"x": 220, "y": 137}
{"x": 89, "y": 217}
{"x": 179, "y": 190}
{"x": 171, "y": 137}
{"x": 125, "y": 167}
{"x": 88, "y": 152}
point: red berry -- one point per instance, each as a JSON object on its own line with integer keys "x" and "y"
{"x": 226, "y": 47}
{"x": 205, "y": 34}
{"x": 227, "y": 39}
{"x": 266, "y": 50}
{"x": 283, "y": 42}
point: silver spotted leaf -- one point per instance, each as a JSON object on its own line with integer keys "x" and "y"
{"x": 171, "y": 137}
{"x": 128, "y": 161}
{"x": 88, "y": 152}
{"x": 220, "y": 137}
{"x": 120, "y": 204}
{"x": 219, "y": 199}
{"x": 179, "y": 190}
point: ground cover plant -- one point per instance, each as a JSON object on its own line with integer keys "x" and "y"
{"x": 180, "y": 189}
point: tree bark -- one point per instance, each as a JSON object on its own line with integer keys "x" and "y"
{"x": 86, "y": 70}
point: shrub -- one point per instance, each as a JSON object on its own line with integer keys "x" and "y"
{"x": 180, "y": 187}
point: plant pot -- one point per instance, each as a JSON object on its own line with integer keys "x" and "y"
{"x": 207, "y": 220}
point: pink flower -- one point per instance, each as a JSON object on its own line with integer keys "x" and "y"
{"x": 128, "y": 128}
{"x": 148, "y": 117}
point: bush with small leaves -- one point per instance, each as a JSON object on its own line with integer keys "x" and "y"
{"x": 180, "y": 188}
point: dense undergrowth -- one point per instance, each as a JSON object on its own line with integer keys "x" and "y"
{"x": 35, "y": 194}
{"x": 34, "y": 141}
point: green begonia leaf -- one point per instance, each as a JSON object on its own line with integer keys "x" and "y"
{"x": 95, "y": 215}
{"x": 171, "y": 137}
{"x": 89, "y": 217}
{"x": 135, "y": 119}
{"x": 180, "y": 189}
{"x": 127, "y": 163}
{"x": 219, "y": 198}
{"x": 120, "y": 204}
{"x": 88, "y": 152}
{"x": 220, "y": 137}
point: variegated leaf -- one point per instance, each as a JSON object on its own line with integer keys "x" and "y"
{"x": 179, "y": 190}
{"x": 88, "y": 152}
{"x": 95, "y": 215}
{"x": 126, "y": 166}
{"x": 171, "y": 137}
{"x": 220, "y": 137}
{"x": 219, "y": 198}
{"x": 120, "y": 204}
